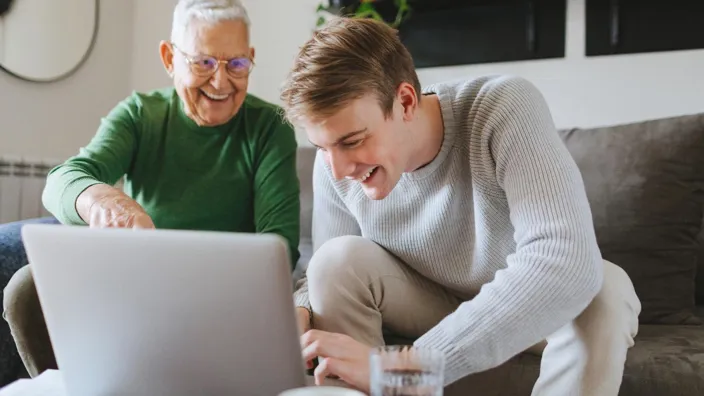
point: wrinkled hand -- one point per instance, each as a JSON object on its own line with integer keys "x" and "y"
{"x": 338, "y": 355}
{"x": 103, "y": 206}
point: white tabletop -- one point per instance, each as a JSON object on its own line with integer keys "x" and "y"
{"x": 51, "y": 383}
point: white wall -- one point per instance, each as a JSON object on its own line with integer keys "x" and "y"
{"x": 581, "y": 91}
{"x": 279, "y": 28}
{"x": 152, "y": 23}
{"x": 2, "y": 39}
{"x": 586, "y": 92}
{"x": 53, "y": 120}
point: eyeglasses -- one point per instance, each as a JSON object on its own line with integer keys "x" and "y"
{"x": 204, "y": 65}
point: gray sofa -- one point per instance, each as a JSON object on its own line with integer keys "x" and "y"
{"x": 645, "y": 183}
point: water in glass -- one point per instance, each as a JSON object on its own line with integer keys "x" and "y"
{"x": 406, "y": 371}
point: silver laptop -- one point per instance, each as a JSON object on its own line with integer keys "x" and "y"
{"x": 166, "y": 312}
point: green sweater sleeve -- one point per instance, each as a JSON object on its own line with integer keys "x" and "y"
{"x": 105, "y": 159}
{"x": 276, "y": 186}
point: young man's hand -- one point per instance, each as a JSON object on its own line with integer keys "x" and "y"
{"x": 303, "y": 319}
{"x": 338, "y": 355}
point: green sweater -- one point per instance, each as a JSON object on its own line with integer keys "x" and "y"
{"x": 237, "y": 177}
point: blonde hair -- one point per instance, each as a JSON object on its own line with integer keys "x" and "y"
{"x": 345, "y": 60}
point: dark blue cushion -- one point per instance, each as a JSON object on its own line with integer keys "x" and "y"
{"x": 12, "y": 254}
{"x": 12, "y": 258}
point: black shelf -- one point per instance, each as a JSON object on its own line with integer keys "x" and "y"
{"x": 463, "y": 32}
{"x": 637, "y": 26}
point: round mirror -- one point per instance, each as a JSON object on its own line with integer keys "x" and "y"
{"x": 46, "y": 40}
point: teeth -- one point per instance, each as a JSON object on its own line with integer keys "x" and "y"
{"x": 215, "y": 97}
{"x": 363, "y": 178}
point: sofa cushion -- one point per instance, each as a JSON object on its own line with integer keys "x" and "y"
{"x": 305, "y": 157}
{"x": 645, "y": 184}
{"x": 665, "y": 360}
{"x": 700, "y": 268}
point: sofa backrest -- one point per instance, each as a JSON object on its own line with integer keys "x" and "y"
{"x": 304, "y": 161}
{"x": 700, "y": 269}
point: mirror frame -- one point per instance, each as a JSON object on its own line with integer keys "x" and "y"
{"x": 79, "y": 64}
{"x": 5, "y": 6}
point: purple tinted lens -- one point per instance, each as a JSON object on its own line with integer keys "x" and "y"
{"x": 239, "y": 64}
{"x": 205, "y": 63}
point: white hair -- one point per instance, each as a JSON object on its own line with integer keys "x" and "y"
{"x": 210, "y": 11}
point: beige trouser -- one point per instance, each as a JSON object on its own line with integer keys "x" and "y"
{"x": 359, "y": 289}
{"x": 23, "y": 313}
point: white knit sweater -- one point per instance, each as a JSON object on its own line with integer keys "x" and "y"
{"x": 500, "y": 215}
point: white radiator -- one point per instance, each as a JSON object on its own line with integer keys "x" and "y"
{"x": 21, "y": 184}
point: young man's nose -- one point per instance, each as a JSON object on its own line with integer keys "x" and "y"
{"x": 341, "y": 167}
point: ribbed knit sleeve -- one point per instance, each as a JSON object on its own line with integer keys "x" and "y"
{"x": 520, "y": 169}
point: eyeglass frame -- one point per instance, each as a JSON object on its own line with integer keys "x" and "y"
{"x": 191, "y": 58}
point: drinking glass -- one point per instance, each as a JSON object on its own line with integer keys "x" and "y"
{"x": 406, "y": 371}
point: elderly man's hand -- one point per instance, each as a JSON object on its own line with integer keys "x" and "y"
{"x": 338, "y": 355}
{"x": 103, "y": 206}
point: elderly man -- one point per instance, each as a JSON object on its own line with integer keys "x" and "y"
{"x": 201, "y": 155}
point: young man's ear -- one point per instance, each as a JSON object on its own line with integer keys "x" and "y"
{"x": 408, "y": 97}
{"x": 166, "y": 52}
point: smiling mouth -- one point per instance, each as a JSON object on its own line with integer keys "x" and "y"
{"x": 369, "y": 174}
{"x": 215, "y": 97}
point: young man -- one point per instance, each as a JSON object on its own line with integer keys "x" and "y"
{"x": 452, "y": 215}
